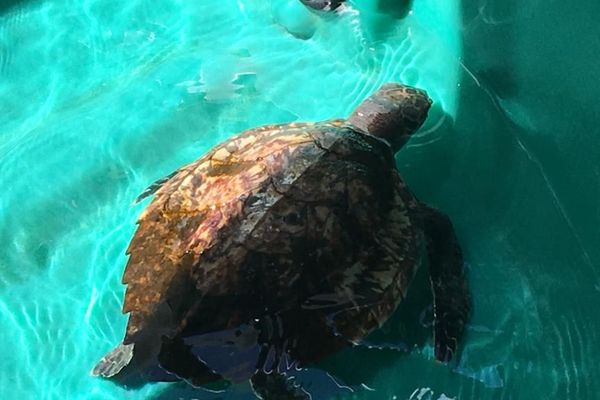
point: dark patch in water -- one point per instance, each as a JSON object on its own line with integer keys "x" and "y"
{"x": 49, "y": 219}
{"x": 395, "y": 8}
{"x": 381, "y": 23}
{"x": 5, "y": 5}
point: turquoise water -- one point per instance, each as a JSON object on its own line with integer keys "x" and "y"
{"x": 100, "y": 98}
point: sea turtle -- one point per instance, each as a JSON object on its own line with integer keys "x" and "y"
{"x": 300, "y": 238}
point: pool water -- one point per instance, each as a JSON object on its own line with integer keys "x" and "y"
{"x": 99, "y": 98}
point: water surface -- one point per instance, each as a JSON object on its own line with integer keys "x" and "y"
{"x": 100, "y": 98}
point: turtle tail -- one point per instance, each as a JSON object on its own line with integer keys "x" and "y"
{"x": 115, "y": 361}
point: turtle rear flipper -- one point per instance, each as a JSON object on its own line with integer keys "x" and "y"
{"x": 451, "y": 298}
{"x": 122, "y": 365}
{"x": 114, "y": 362}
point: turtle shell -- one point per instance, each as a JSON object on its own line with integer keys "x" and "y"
{"x": 305, "y": 217}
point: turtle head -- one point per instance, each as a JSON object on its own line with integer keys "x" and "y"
{"x": 393, "y": 113}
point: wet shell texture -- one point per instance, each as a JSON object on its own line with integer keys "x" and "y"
{"x": 295, "y": 218}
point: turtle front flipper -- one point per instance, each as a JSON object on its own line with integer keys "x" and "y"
{"x": 451, "y": 297}
{"x": 276, "y": 386}
{"x": 153, "y": 188}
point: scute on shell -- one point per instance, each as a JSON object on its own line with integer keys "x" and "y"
{"x": 282, "y": 216}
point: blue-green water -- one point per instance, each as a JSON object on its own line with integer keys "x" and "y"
{"x": 100, "y": 98}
